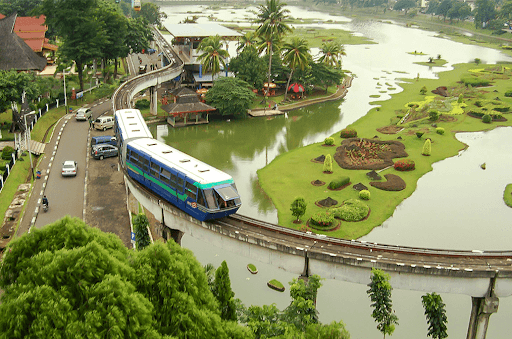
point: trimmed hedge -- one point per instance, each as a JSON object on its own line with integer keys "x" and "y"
{"x": 475, "y": 82}
{"x": 404, "y": 165}
{"x": 364, "y": 195}
{"x": 335, "y": 184}
{"x": 322, "y": 219}
{"x": 508, "y": 93}
{"x": 348, "y": 133}
{"x": 352, "y": 210}
{"x": 440, "y": 130}
{"x": 6, "y": 153}
{"x": 329, "y": 141}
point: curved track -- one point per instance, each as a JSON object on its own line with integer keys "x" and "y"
{"x": 400, "y": 256}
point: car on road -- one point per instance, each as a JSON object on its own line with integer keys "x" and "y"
{"x": 104, "y": 122}
{"x": 102, "y": 151}
{"x": 69, "y": 168}
{"x": 143, "y": 69}
{"x": 83, "y": 114}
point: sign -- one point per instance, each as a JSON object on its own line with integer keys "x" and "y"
{"x": 133, "y": 236}
{"x": 80, "y": 95}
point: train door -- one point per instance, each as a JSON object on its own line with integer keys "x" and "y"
{"x": 180, "y": 190}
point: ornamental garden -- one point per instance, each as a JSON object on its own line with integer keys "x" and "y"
{"x": 353, "y": 181}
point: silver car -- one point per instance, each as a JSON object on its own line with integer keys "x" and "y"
{"x": 83, "y": 114}
{"x": 102, "y": 151}
{"x": 69, "y": 168}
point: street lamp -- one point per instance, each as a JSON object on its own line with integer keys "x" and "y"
{"x": 65, "y": 94}
{"x": 27, "y": 140}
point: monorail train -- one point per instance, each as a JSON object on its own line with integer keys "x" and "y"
{"x": 197, "y": 188}
{"x": 136, "y": 5}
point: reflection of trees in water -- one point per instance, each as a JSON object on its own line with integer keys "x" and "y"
{"x": 220, "y": 141}
{"x": 259, "y": 198}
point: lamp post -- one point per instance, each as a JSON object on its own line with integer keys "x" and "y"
{"x": 65, "y": 94}
{"x": 27, "y": 140}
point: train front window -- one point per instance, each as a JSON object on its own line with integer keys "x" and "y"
{"x": 210, "y": 199}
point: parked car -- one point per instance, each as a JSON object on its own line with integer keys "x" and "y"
{"x": 102, "y": 151}
{"x": 83, "y": 114}
{"x": 143, "y": 69}
{"x": 104, "y": 139}
{"x": 69, "y": 168}
{"x": 104, "y": 122}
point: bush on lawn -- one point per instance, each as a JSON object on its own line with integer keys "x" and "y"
{"x": 352, "y": 210}
{"x": 440, "y": 130}
{"x": 404, "y": 165}
{"x": 348, "y": 133}
{"x": 487, "y": 119}
{"x": 364, "y": 195}
{"x": 6, "y": 152}
{"x": 329, "y": 141}
{"x": 322, "y": 219}
{"x": 335, "y": 184}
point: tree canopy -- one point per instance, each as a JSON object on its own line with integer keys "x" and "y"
{"x": 231, "y": 96}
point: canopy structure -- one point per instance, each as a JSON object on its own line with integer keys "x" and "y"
{"x": 297, "y": 88}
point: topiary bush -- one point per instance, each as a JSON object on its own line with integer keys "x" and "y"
{"x": 487, "y": 118}
{"x": 508, "y": 93}
{"x": 322, "y": 219}
{"x": 433, "y": 115}
{"x": 328, "y": 163}
{"x": 440, "y": 130}
{"x": 329, "y": 141}
{"x": 6, "y": 153}
{"x": 427, "y": 148}
{"x": 340, "y": 182}
{"x": 352, "y": 210}
{"x": 142, "y": 104}
{"x": 404, "y": 165}
{"x": 475, "y": 82}
{"x": 364, "y": 195}
{"x": 348, "y": 133}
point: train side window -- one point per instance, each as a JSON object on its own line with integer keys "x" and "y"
{"x": 173, "y": 180}
{"x": 164, "y": 179}
{"x": 145, "y": 164}
{"x": 191, "y": 190}
{"x": 200, "y": 198}
{"x": 166, "y": 173}
{"x": 180, "y": 183}
{"x": 155, "y": 170}
{"x": 208, "y": 193}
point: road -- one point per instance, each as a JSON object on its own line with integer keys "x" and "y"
{"x": 66, "y": 194}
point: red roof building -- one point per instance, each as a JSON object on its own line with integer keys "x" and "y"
{"x": 32, "y": 30}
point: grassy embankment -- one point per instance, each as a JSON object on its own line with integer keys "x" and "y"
{"x": 290, "y": 175}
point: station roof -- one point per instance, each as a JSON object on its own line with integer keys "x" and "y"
{"x": 200, "y": 30}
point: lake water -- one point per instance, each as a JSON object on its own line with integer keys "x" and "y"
{"x": 458, "y": 205}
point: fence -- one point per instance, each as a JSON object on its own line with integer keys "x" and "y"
{"x": 8, "y": 168}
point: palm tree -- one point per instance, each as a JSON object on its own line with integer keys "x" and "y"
{"x": 249, "y": 39}
{"x": 213, "y": 54}
{"x": 295, "y": 55}
{"x": 271, "y": 18}
{"x": 332, "y": 52}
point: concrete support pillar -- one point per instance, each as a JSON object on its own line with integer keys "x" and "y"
{"x": 481, "y": 310}
{"x": 176, "y": 235}
{"x": 305, "y": 273}
{"x": 153, "y": 98}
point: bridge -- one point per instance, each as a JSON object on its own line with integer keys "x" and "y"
{"x": 484, "y": 275}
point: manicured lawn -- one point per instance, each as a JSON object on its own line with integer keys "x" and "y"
{"x": 507, "y": 195}
{"x": 46, "y": 121}
{"x": 290, "y": 174}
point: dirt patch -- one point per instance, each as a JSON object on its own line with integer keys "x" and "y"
{"x": 319, "y": 159}
{"x": 371, "y": 154}
{"x": 327, "y": 202}
{"x": 317, "y": 183}
{"x": 393, "y": 183}
{"x": 393, "y": 129}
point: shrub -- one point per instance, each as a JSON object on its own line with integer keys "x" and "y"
{"x": 433, "y": 115}
{"x": 427, "y": 148}
{"x": 423, "y": 90}
{"x": 364, "y": 195}
{"x": 508, "y": 93}
{"x": 328, "y": 163}
{"x": 322, "y": 218}
{"x": 142, "y": 104}
{"x": 474, "y": 82}
{"x": 348, "y": 133}
{"x": 329, "y": 141}
{"x": 487, "y": 119}
{"x": 419, "y": 134}
{"x": 404, "y": 165}
{"x": 460, "y": 100}
{"x": 440, "y": 130}
{"x": 335, "y": 184}
{"x": 6, "y": 152}
{"x": 352, "y": 210}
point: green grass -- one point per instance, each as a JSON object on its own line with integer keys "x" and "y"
{"x": 45, "y": 122}
{"x": 280, "y": 179}
{"x": 434, "y": 63}
{"x": 17, "y": 177}
{"x": 276, "y": 283}
{"x": 507, "y": 195}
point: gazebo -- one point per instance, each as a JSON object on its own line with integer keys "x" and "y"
{"x": 186, "y": 109}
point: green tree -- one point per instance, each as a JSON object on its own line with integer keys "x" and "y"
{"x": 485, "y": 11}
{"x": 432, "y": 7}
{"x": 249, "y": 67}
{"x": 213, "y": 54}
{"x": 436, "y": 315}
{"x": 405, "y": 5}
{"x": 12, "y": 86}
{"x": 264, "y": 321}
{"x": 302, "y": 310}
{"x": 423, "y": 90}
{"x": 22, "y": 7}
{"x": 328, "y": 163}
{"x": 231, "y": 96}
{"x": 249, "y": 39}
{"x": 295, "y": 55}
{"x": 138, "y": 35}
{"x": 223, "y": 292}
{"x": 75, "y": 21}
{"x": 324, "y": 75}
{"x": 140, "y": 228}
{"x": 427, "y": 148}
{"x": 380, "y": 295}
{"x": 151, "y": 13}
{"x": 331, "y": 53}
{"x": 444, "y": 7}
{"x": 298, "y": 207}
{"x": 272, "y": 27}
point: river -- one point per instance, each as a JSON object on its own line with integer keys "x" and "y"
{"x": 445, "y": 206}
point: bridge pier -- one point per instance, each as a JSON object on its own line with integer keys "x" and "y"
{"x": 481, "y": 310}
{"x": 153, "y": 98}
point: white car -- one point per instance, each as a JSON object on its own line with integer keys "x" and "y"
{"x": 69, "y": 168}
{"x": 83, "y": 114}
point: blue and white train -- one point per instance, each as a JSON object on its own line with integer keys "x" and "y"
{"x": 197, "y": 188}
